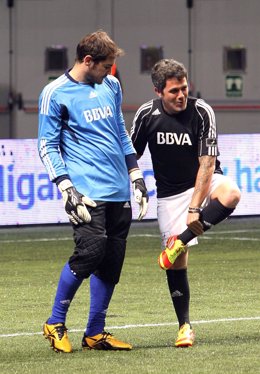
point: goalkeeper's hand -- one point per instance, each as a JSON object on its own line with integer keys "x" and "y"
{"x": 75, "y": 203}
{"x": 140, "y": 191}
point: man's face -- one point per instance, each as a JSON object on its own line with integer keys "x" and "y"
{"x": 174, "y": 95}
{"x": 98, "y": 71}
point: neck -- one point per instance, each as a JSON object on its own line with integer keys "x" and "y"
{"x": 79, "y": 75}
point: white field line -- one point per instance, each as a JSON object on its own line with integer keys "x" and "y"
{"x": 230, "y": 238}
{"x": 36, "y": 240}
{"x": 142, "y": 235}
{"x": 133, "y": 236}
{"x": 221, "y": 320}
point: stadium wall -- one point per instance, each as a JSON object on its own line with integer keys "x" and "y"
{"x": 27, "y": 197}
{"x": 196, "y": 36}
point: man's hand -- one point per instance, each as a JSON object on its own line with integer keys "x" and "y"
{"x": 75, "y": 203}
{"x": 140, "y": 191}
{"x": 193, "y": 221}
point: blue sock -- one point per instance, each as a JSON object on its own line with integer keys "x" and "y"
{"x": 67, "y": 287}
{"x": 100, "y": 296}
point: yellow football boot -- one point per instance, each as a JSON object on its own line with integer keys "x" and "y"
{"x": 174, "y": 247}
{"x": 104, "y": 341}
{"x": 185, "y": 336}
{"x": 58, "y": 337}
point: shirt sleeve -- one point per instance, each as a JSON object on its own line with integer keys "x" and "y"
{"x": 49, "y": 137}
{"x": 124, "y": 136}
{"x": 138, "y": 130}
{"x": 208, "y": 144}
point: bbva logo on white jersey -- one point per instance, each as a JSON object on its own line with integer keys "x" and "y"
{"x": 173, "y": 138}
{"x": 96, "y": 114}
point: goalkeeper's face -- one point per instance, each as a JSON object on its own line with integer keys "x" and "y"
{"x": 99, "y": 70}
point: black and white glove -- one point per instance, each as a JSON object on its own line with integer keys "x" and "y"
{"x": 75, "y": 203}
{"x": 140, "y": 192}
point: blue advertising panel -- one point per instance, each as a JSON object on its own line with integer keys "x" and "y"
{"x": 28, "y": 197}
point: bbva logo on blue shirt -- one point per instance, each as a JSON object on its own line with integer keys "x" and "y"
{"x": 96, "y": 114}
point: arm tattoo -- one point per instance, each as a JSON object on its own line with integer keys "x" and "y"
{"x": 205, "y": 172}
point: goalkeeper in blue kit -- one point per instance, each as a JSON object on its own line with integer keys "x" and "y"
{"x": 87, "y": 152}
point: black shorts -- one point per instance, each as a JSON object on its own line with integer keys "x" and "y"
{"x": 101, "y": 244}
{"x": 111, "y": 219}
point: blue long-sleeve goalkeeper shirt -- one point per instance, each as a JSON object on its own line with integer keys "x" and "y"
{"x": 82, "y": 133}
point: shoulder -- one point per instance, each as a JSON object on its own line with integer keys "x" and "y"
{"x": 145, "y": 109}
{"x": 112, "y": 82}
{"x": 55, "y": 84}
{"x": 53, "y": 87}
{"x": 51, "y": 92}
{"x": 204, "y": 108}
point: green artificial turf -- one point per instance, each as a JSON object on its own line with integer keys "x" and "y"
{"x": 225, "y": 304}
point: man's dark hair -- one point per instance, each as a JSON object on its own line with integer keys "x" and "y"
{"x": 99, "y": 46}
{"x": 167, "y": 69}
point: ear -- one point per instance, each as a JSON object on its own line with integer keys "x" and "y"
{"x": 157, "y": 92}
{"x": 88, "y": 60}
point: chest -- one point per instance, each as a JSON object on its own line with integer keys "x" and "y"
{"x": 87, "y": 105}
{"x": 179, "y": 130}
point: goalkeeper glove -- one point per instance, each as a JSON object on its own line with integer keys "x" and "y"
{"x": 140, "y": 192}
{"x": 75, "y": 203}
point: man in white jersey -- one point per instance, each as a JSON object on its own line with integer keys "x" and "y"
{"x": 192, "y": 192}
{"x": 87, "y": 152}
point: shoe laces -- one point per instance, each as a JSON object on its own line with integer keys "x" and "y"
{"x": 105, "y": 335}
{"x": 185, "y": 329}
{"x": 61, "y": 329}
